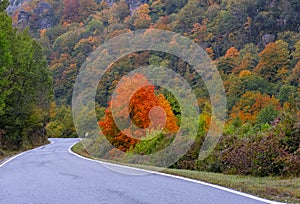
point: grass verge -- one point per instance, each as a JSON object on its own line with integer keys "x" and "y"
{"x": 273, "y": 188}
{"x": 6, "y": 154}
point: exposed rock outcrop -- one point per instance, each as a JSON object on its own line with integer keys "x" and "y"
{"x": 268, "y": 38}
{"x": 38, "y": 19}
{"x": 133, "y": 4}
{"x": 43, "y": 15}
{"x": 23, "y": 19}
{"x": 14, "y": 5}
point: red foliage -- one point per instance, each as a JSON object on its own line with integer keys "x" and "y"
{"x": 146, "y": 110}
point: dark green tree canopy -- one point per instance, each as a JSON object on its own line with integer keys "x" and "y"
{"x": 3, "y": 5}
{"x": 25, "y": 84}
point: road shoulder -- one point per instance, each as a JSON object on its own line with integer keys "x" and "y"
{"x": 204, "y": 178}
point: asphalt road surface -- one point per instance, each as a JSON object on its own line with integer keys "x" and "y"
{"x": 51, "y": 174}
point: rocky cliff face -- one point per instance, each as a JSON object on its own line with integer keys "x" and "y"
{"x": 133, "y": 4}
{"x": 42, "y": 16}
{"x": 17, "y": 4}
{"x": 14, "y": 5}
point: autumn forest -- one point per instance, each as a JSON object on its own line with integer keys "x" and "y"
{"x": 255, "y": 46}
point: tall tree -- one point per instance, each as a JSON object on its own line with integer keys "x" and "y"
{"x": 249, "y": 58}
{"x": 142, "y": 19}
{"x": 273, "y": 59}
{"x": 119, "y": 11}
{"x": 25, "y": 87}
{"x": 230, "y": 61}
{"x": 250, "y": 105}
{"x": 140, "y": 110}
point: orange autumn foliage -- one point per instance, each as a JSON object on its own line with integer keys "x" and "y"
{"x": 142, "y": 17}
{"x": 210, "y": 52}
{"x": 274, "y": 60}
{"x": 163, "y": 23}
{"x": 232, "y": 53}
{"x": 146, "y": 110}
{"x": 199, "y": 32}
{"x": 250, "y": 104}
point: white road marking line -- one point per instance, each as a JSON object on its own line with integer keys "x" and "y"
{"x": 12, "y": 158}
{"x": 177, "y": 177}
{"x": 18, "y": 155}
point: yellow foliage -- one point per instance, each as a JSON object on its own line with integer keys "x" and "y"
{"x": 244, "y": 73}
{"x": 52, "y": 110}
{"x": 143, "y": 9}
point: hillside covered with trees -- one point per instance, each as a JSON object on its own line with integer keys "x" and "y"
{"x": 255, "y": 45}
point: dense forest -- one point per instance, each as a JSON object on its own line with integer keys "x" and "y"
{"x": 25, "y": 86}
{"x": 254, "y": 44}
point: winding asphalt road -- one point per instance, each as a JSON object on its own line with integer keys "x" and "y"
{"x": 51, "y": 174}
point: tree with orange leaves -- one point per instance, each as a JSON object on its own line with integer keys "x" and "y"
{"x": 230, "y": 61}
{"x": 274, "y": 61}
{"x": 147, "y": 111}
{"x": 250, "y": 105}
{"x": 141, "y": 17}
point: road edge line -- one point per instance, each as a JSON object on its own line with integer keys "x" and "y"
{"x": 20, "y": 154}
{"x": 176, "y": 177}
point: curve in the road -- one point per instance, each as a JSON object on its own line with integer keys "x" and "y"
{"x": 50, "y": 174}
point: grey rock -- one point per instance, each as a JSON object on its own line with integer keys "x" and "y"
{"x": 268, "y": 38}
{"x": 43, "y": 15}
{"x": 14, "y": 5}
{"x": 38, "y": 19}
{"x": 23, "y": 19}
{"x": 133, "y": 4}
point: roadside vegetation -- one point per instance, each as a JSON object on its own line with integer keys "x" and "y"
{"x": 283, "y": 189}
{"x": 254, "y": 44}
{"x": 25, "y": 87}
{"x": 8, "y": 153}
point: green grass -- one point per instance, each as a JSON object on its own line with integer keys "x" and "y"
{"x": 273, "y": 188}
